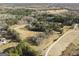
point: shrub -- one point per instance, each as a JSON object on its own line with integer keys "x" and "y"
{"x": 37, "y": 40}
{"x": 23, "y": 49}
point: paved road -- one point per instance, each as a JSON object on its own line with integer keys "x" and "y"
{"x": 60, "y": 45}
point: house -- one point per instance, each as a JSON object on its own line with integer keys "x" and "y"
{"x": 3, "y": 28}
{"x": 3, "y": 41}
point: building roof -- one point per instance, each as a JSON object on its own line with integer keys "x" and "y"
{"x": 3, "y": 54}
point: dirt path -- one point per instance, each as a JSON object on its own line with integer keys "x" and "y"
{"x": 8, "y": 45}
{"x": 60, "y": 45}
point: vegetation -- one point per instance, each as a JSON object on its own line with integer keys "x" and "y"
{"x": 48, "y": 22}
{"x": 22, "y": 11}
{"x": 35, "y": 21}
{"x": 37, "y": 40}
{"x": 44, "y": 25}
{"x": 23, "y": 49}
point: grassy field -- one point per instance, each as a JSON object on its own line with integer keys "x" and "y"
{"x": 23, "y": 32}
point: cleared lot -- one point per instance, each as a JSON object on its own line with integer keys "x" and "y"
{"x": 23, "y": 32}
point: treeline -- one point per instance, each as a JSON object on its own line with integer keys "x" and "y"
{"x": 11, "y": 21}
{"x": 48, "y": 22}
{"x": 24, "y": 12}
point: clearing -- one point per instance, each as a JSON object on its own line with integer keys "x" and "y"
{"x": 23, "y": 32}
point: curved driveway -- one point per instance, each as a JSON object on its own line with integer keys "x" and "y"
{"x": 60, "y": 45}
